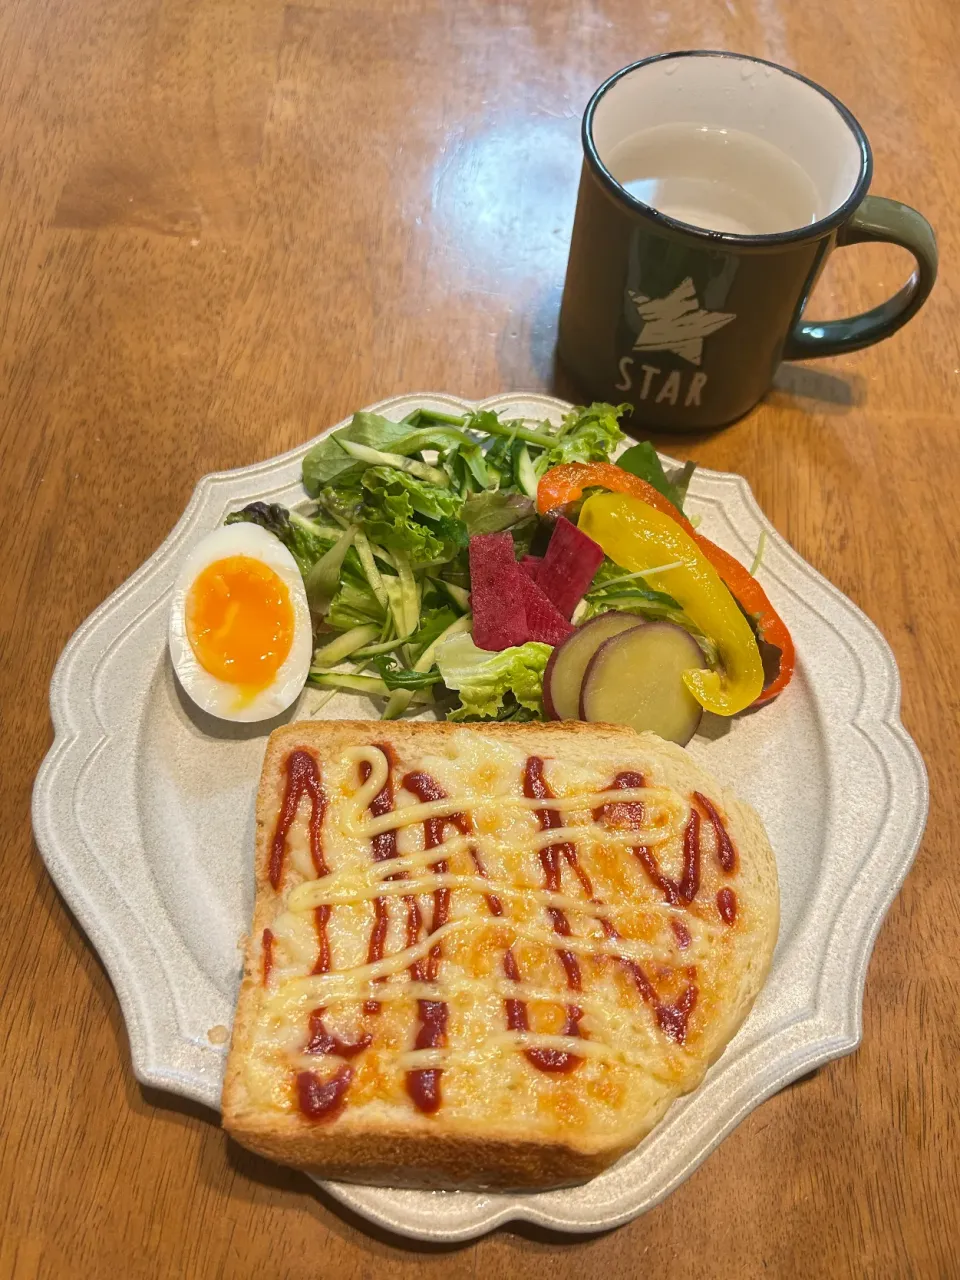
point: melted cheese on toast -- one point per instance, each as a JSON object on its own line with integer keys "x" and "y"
{"x": 463, "y": 930}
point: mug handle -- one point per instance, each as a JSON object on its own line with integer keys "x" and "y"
{"x": 889, "y": 222}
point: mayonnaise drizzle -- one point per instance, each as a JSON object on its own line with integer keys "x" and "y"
{"x": 316, "y": 893}
{"x": 512, "y": 1041}
{"x": 408, "y": 814}
{"x": 282, "y": 1003}
{"x": 364, "y": 881}
{"x": 352, "y": 823}
{"x": 346, "y": 981}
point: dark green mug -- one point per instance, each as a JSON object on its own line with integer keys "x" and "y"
{"x": 687, "y": 324}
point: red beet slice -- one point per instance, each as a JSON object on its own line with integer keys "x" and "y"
{"x": 497, "y": 592}
{"x": 544, "y": 622}
{"x": 531, "y": 565}
{"x": 569, "y": 566}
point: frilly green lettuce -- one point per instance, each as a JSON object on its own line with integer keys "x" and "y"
{"x": 406, "y": 514}
{"x": 493, "y": 686}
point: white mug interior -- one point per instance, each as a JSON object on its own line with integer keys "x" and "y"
{"x": 727, "y": 91}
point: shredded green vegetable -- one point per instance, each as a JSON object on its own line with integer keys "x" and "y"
{"x": 758, "y": 558}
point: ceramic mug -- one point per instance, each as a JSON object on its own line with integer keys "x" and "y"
{"x": 688, "y": 325}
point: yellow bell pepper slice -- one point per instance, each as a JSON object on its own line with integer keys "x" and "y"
{"x": 638, "y": 537}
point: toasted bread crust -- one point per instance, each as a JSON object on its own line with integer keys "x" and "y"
{"x": 432, "y": 1151}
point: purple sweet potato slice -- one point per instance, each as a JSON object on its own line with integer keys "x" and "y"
{"x": 563, "y": 674}
{"x": 496, "y": 592}
{"x": 530, "y": 565}
{"x": 569, "y": 566}
{"x": 636, "y": 678}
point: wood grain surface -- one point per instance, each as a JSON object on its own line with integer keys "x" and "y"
{"x": 225, "y": 225}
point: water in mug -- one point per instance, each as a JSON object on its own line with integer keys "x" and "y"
{"x": 717, "y": 179}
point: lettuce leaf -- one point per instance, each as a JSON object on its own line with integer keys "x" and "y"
{"x": 494, "y": 510}
{"x": 399, "y": 490}
{"x": 433, "y": 622}
{"x": 500, "y": 453}
{"x": 489, "y": 684}
{"x": 343, "y": 499}
{"x": 403, "y": 513}
{"x": 467, "y": 468}
{"x": 642, "y": 460}
{"x": 587, "y": 434}
{"x": 326, "y": 461}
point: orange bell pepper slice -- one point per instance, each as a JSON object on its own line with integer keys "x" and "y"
{"x": 566, "y": 483}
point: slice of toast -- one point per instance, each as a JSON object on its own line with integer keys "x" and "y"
{"x": 488, "y": 955}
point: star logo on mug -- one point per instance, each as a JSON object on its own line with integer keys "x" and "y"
{"x": 677, "y": 322}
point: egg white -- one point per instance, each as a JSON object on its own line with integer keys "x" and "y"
{"x": 218, "y": 697}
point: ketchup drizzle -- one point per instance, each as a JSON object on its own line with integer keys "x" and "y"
{"x": 690, "y": 883}
{"x": 494, "y": 905}
{"x": 427, "y": 790}
{"x": 423, "y": 1083}
{"x": 535, "y": 787}
{"x": 322, "y": 917}
{"x": 669, "y": 888}
{"x": 555, "y": 1061}
{"x": 727, "y": 905}
{"x": 378, "y": 936}
{"x": 726, "y": 853}
{"x": 267, "y": 947}
{"x": 623, "y": 813}
{"x": 303, "y": 777}
{"x": 672, "y": 1019}
{"x": 322, "y": 1099}
{"x": 681, "y": 933}
{"x": 322, "y": 1041}
{"x": 417, "y": 969}
{"x": 383, "y": 846}
{"x": 630, "y": 814}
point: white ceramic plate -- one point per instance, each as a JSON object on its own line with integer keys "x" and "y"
{"x": 143, "y": 811}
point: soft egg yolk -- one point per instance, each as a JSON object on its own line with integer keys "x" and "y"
{"x": 240, "y": 621}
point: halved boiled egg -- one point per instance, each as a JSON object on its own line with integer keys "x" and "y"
{"x": 240, "y": 633}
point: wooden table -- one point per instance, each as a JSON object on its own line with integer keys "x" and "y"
{"x": 224, "y": 226}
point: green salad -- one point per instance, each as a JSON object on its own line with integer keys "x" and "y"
{"x": 384, "y": 548}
